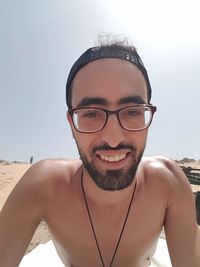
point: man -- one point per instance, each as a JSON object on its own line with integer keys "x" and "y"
{"x": 108, "y": 208}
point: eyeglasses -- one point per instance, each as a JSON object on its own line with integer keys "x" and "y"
{"x": 132, "y": 118}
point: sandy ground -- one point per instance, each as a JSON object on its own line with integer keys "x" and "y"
{"x": 10, "y": 173}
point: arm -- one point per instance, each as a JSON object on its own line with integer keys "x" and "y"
{"x": 180, "y": 221}
{"x": 20, "y": 217}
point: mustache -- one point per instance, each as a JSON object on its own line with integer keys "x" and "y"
{"x": 105, "y": 146}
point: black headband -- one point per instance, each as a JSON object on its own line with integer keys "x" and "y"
{"x": 95, "y": 53}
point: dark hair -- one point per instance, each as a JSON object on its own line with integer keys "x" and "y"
{"x": 114, "y": 50}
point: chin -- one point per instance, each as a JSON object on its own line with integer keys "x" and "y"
{"x": 112, "y": 176}
{"x": 112, "y": 179}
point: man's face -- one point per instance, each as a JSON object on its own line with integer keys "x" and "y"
{"x": 111, "y": 155}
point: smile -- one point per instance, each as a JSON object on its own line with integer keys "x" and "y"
{"x": 115, "y": 158}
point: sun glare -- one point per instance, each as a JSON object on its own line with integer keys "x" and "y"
{"x": 172, "y": 22}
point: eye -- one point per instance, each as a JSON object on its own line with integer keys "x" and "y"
{"x": 91, "y": 114}
{"x": 133, "y": 112}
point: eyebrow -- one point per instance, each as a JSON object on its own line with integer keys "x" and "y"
{"x": 131, "y": 100}
{"x": 88, "y": 101}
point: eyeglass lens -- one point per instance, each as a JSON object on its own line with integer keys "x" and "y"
{"x": 131, "y": 118}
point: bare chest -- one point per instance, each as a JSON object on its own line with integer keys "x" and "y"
{"x": 75, "y": 241}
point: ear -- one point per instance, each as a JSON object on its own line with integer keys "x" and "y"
{"x": 69, "y": 119}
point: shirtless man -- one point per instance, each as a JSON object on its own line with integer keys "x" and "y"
{"x": 108, "y": 208}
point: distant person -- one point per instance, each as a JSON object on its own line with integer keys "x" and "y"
{"x": 31, "y": 160}
{"x": 107, "y": 208}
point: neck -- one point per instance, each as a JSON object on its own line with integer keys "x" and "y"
{"x": 104, "y": 199}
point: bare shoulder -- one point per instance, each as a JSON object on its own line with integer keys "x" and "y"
{"x": 163, "y": 167}
{"x": 52, "y": 168}
{"x": 41, "y": 181}
{"x": 165, "y": 173}
{"x": 45, "y": 174}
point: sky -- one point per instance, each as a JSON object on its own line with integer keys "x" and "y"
{"x": 41, "y": 39}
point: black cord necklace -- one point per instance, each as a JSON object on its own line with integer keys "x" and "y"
{"x": 93, "y": 230}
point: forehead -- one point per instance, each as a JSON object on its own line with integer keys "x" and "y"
{"x": 109, "y": 79}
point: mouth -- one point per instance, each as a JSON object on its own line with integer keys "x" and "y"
{"x": 113, "y": 158}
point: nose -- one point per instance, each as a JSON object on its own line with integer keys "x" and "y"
{"x": 112, "y": 133}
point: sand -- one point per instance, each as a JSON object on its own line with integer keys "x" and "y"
{"x": 10, "y": 173}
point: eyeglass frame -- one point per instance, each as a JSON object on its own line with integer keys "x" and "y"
{"x": 116, "y": 112}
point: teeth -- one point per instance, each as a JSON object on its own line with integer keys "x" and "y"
{"x": 122, "y": 156}
{"x": 113, "y": 158}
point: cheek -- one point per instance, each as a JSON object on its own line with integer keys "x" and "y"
{"x": 144, "y": 139}
{"x": 84, "y": 142}
{"x": 140, "y": 138}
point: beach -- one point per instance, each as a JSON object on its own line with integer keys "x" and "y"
{"x": 10, "y": 174}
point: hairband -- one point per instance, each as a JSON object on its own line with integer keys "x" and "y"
{"x": 112, "y": 51}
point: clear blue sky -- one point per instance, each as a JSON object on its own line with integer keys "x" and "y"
{"x": 39, "y": 42}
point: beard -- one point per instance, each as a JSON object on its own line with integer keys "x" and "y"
{"x": 112, "y": 180}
